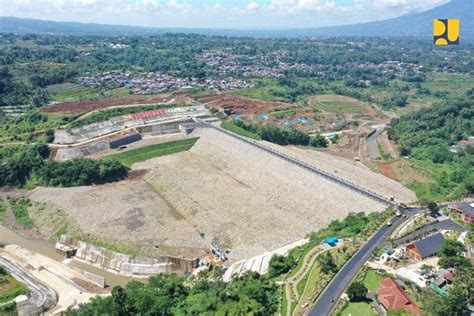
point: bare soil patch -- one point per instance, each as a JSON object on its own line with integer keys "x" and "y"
{"x": 387, "y": 170}
{"x": 91, "y": 105}
{"x": 232, "y": 104}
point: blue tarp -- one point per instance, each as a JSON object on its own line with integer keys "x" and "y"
{"x": 331, "y": 241}
{"x": 238, "y": 118}
{"x": 262, "y": 117}
{"x": 388, "y": 251}
{"x": 302, "y": 121}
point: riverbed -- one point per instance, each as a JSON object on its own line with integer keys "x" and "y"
{"x": 43, "y": 247}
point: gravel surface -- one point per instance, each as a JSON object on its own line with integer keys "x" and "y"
{"x": 221, "y": 190}
{"x": 350, "y": 170}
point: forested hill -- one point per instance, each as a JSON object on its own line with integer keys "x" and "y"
{"x": 410, "y": 25}
{"x": 430, "y": 137}
{"x": 441, "y": 125}
{"x": 417, "y": 24}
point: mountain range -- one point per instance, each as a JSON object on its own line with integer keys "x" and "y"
{"x": 415, "y": 24}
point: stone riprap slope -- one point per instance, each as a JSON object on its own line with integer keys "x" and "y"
{"x": 349, "y": 170}
{"x": 126, "y": 212}
{"x": 246, "y": 199}
{"x": 221, "y": 190}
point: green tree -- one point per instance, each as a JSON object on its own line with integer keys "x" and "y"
{"x": 357, "y": 291}
{"x": 433, "y": 207}
{"x": 427, "y": 269}
{"x": 327, "y": 263}
{"x": 280, "y": 264}
{"x": 318, "y": 141}
{"x": 451, "y": 248}
{"x": 455, "y": 304}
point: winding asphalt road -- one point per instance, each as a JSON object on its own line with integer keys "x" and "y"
{"x": 341, "y": 281}
{"x": 447, "y": 224}
{"x": 40, "y": 298}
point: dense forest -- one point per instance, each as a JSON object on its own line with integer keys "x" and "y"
{"x": 251, "y": 294}
{"x": 30, "y": 165}
{"x": 429, "y": 135}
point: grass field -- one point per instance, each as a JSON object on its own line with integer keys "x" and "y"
{"x": 20, "y": 211}
{"x": 70, "y": 92}
{"x": 448, "y": 82}
{"x": 130, "y": 157}
{"x": 337, "y": 104}
{"x": 372, "y": 280}
{"x": 358, "y": 309}
{"x": 283, "y": 113}
{"x": 230, "y": 126}
{"x": 9, "y": 287}
{"x": 3, "y": 212}
{"x": 266, "y": 90}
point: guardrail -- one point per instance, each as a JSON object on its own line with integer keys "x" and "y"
{"x": 355, "y": 187}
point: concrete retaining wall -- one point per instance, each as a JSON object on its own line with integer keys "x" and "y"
{"x": 94, "y": 278}
{"x": 133, "y": 266}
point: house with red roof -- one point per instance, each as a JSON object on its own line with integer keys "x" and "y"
{"x": 393, "y": 297}
{"x": 465, "y": 210}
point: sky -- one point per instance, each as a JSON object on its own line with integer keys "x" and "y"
{"x": 217, "y": 14}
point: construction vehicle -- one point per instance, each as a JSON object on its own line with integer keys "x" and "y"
{"x": 398, "y": 213}
{"x": 218, "y": 252}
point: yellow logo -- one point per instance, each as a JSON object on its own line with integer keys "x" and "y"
{"x": 446, "y": 31}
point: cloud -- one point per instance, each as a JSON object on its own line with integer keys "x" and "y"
{"x": 179, "y": 6}
{"x": 216, "y": 13}
{"x": 252, "y": 6}
{"x": 302, "y": 6}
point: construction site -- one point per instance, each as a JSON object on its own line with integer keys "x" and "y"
{"x": 120, "y": 131}
{"x": 226, "y": 200}
{"x": 224, "y": 191}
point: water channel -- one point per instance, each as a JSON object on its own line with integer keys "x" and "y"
{"x": 41, "y": 246}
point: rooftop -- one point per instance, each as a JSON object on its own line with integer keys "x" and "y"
{"x": 429, "y": 245}
{"x": 393, "y": 297}
{"x": 467, "y": 208}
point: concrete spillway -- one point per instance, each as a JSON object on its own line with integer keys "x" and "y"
{"x": 40, "y": 298}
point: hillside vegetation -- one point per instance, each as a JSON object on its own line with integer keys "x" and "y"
{"x": 30, "y": 165}
{"x": 427, "y": 136}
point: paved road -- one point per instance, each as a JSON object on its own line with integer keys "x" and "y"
{"x": 364, "y": 191}
{"x": 443, "y": 225}
{"x": 341, "y": 281}
{"x": 40, "y": 298}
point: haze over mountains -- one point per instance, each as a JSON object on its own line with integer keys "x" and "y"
{"x": 418, "y": 24}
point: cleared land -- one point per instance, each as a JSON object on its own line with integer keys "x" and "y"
{"x": 91, "y": 105}
{"x": 338, "y": 104}
{"x": 239, "y": 105}
{"x": 220, "y": 190}
{"x": 130, "y": 157}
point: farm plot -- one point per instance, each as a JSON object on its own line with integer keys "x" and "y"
{"x": 65, "y": 91}
{"x": 92, "y": 105}
{"x": 339, "y": 104}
